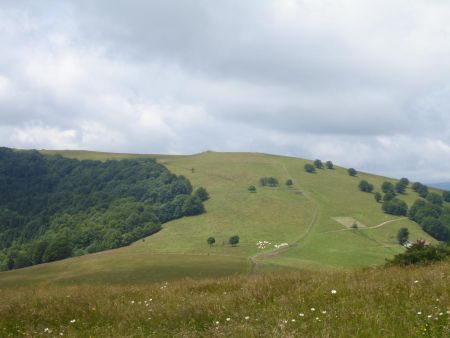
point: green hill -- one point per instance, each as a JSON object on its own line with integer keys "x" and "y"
{"x": 314, "y": 217}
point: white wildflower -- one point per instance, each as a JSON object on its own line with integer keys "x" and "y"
{"x": 333, "y": 292}
{"x": 228, "y": 319}
{"x": 73, "y": 321}
{"x": 313, "y": 309}
{"x": 419, "y": 313}
{"x": 301, "y": 314}
{"x": 247, "y": 317}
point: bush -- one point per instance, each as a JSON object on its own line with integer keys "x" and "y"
{"x": 252, "y": 188}
{"x": 289, "y": 182}
{"x": 329, "y": 165}
{"x": 309, "y": 168}
{"x": 365, "y": 186}
{"x": 268, "y": 181}
{"x": 421, "y": 253}
{"x": 202, "y": 194}
{"x": 233, "y": 240}
{"x": 395, "y": 207}
{"x": 352, "y": 172}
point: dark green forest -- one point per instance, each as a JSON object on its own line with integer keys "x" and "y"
{"x": 53, "y": 207}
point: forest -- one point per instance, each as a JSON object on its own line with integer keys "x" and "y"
{"x": 53, "y": 207}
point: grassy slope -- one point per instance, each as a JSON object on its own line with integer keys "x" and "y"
{"x": 301, "y": 216}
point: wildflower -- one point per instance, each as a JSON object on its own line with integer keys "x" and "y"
{"x": 313, "y": 309}
{"x": 247, "y": 317}
{"x": 301, "y": 314}
{"x": 217, "y": 322}
{"x": 61, "y": 334}
{"x": 429, "y": 316}
{"x": 293, "y": 320}
{"x": 416, "y": 281}
{"x": 419, "y": 313}
{"x": 324, "y": 312}
{"x": 440, "y": 313}
{"x": 228, "y": 319}
{"x": 46, "y": 329}
{"x": 317, "y": 318}
{"x": 333, "y": 292}
{"x": 72, "y": 321}
{"x": 132, "y": 302}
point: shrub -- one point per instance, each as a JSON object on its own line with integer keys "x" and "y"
{"x": 352, "y": 172}
{"x": 289, "y": 182}
{"x": 400, "y": 188}
{"x": 252, "y": 188}
{"x": 395, "y": 207}
{"x": 329, "y": 165}
{"x": 309, "y": 168}
{"x": 421, "y": 189}
{"x": 233, "y": 240}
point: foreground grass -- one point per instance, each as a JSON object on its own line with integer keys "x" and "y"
{"x": 390, "y": 302}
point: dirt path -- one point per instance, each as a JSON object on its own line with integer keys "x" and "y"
{"x": 273, "y": 253}
{"x": 365, "y": 228}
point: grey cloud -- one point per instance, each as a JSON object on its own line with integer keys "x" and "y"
{"x": 350, "y": 81}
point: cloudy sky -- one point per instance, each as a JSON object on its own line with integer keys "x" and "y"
{"x": 363, "y": 83}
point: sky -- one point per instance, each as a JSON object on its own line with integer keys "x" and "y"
{"x": 363, "y": 83}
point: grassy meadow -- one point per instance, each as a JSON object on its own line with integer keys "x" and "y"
{"x": 394, "y": 302}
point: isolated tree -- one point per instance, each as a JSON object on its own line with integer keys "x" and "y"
{"x": 252, "y": 188}
{"x": 402, "y": 235}
{"x": 233, "y": 240}
{"x": 377, "y": 197}
{"x": 202, "y": 194}
{"x": 365, "y": 186}
{"x": 387, "y": 187}
{"x": 329, "y": 165}
{"x": 211, "y": 241}
{"x": 352, "y": 172}
{"x": 289, "y": 182}
{"x": 434, "y": 198}
{"x": 309, "y": 168}
{"x": 318, "y": 164}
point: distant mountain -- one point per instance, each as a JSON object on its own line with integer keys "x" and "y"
{"x": 441, "y": 185}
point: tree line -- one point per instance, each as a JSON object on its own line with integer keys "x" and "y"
{"x": 428, "y": 211}
{"x": 53, "y": 207}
